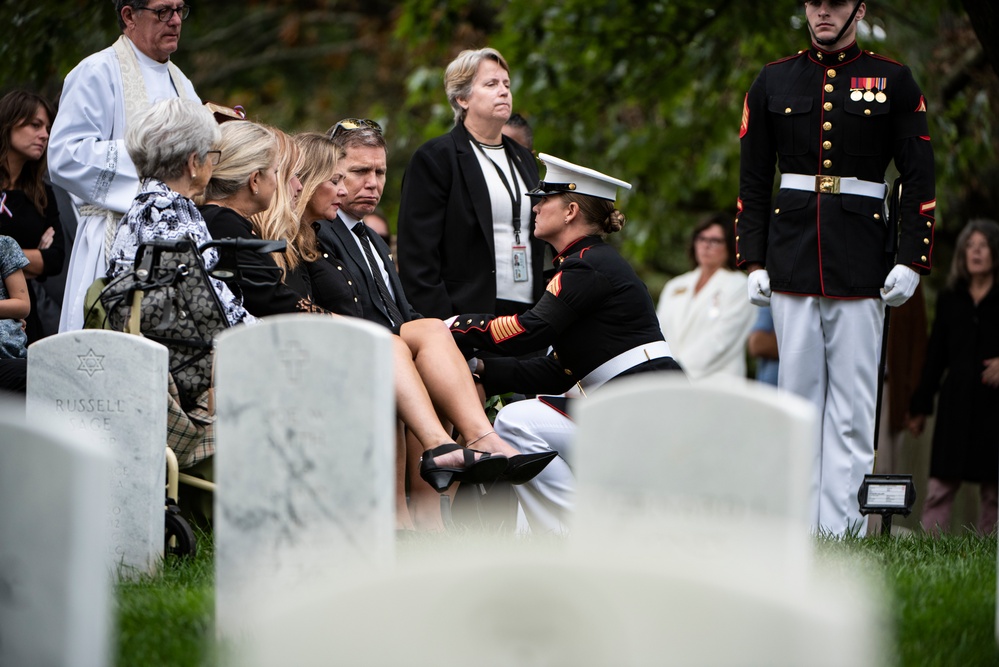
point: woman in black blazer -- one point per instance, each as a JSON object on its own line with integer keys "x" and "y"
{"x": 465, "y": 226}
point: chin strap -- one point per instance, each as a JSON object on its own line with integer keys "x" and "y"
{"x": 842, "y": 31}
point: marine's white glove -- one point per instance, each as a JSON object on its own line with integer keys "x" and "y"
{"x": 899, "y": 285}
{"x": 759, "y": 287}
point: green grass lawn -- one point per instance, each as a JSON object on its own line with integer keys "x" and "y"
{"x": 944, "y": 590}
{"x": 168, "y": 620}
{"x": 944, "y": 602}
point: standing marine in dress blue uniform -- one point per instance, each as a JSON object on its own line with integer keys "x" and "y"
{"x": 831, "y": 119}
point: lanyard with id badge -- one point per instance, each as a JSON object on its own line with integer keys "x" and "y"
{"x": 521, "y": 272}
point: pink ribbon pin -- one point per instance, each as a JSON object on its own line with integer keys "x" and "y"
{"x": 3, "y": 205}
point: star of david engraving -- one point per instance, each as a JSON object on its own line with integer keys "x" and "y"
{"x": 91, "y": 363}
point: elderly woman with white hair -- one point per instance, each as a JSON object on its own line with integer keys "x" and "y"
{"x": 171, "y": 145}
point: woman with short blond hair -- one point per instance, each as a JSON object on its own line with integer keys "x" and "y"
{"x": 465, "y": 236}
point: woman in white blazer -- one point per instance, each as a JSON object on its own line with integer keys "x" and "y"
{"x": 704, "y": 313}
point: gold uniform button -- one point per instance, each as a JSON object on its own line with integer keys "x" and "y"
{"x": 831, "y": 73}
{"x": 877, "y": 216}
{"x": 842, "y": 57}
{"x": 827, "y": 163}
{"x": 339, "y": 268}
{"x": 923, "y": 258}
{"x": 568, "y": 372}
{"x": 325, "y": 256}
{"x": 867, "y": 112}
{"x": 827, "y": 106}
{"x": 482, "y": 323}
{"x": 468, "y": 322}
{"x": 926, "y": 241}
{"x": 827, "y": 126}
{"x": 350, "y": 282}
{"x": 738, "y": 255}
{"x": 787, "y": 110}
{"x": 827, "y": 145}
{"x": 555, "y": 356}
{"x": 828, "y": 87}
{"x": 776, "y": 210}
{"x": 355, "y": 299}
{"x": 736, "y": 238}
{"x": 929, "y": 224}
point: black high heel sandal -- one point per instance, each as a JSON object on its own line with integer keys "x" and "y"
{"x": 525, "y": 467}
{"x": 486, "y": 468}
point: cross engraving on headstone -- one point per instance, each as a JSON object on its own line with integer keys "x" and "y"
{"x": 294, "y": 357}
{"x": 302, "y": 490}
{"x": 90, "y": 362}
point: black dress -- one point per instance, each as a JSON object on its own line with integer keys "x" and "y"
{"x": 311, "y": 287}
{"x": 966, "y": 436}
{"x": 20, "y": 220}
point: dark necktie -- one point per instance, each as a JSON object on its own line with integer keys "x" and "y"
{"x": 383, "y": 291}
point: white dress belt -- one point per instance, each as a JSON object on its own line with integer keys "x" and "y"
{"x": 622, "y": 362}
{"x": 846, "y": 185}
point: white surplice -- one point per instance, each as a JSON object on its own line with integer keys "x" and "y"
{"x": 707, "y": 331}
{"x": 87, "y": 158}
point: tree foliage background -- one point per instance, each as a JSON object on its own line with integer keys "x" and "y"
{"x": 650, "y": 91}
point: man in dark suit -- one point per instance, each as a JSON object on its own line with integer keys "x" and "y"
{"x": 364, "y": 253}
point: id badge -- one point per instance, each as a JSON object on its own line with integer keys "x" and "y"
{"x": 520, "y": 272}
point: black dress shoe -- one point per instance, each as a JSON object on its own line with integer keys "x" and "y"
{"x": 479, "y": 467}
{"x": 525, "y": 467}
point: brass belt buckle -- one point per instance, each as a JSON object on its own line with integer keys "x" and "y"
{"x": 827, "y": 185}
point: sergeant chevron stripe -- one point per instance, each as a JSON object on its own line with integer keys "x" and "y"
{"x": 555, "y": 285}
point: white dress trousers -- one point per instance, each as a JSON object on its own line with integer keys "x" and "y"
{"x": 829, "y": 352}
{"x": 547, "y": 500}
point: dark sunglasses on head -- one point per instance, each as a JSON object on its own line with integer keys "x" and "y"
{"x": 348, "y": 124}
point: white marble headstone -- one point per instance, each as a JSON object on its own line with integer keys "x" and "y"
{"x": 55, "y": 589}
{"x": 721, "y": 465}
{"x": 524, "y": 604}
{"x": 113, "y": 387}
{"x": 304, "y": 463}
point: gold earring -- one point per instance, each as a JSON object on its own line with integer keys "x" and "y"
{"x": 193, "y": 175}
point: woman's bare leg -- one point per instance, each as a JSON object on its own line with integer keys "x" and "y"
{"x": 415, "y": 408}
{"x": 417, "y": 411}
{"x": 445, "y": 374}
{"x": 403, "y": 518}
{"x": 424, "y": 501}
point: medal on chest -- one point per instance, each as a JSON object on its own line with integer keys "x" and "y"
{"x": 869, "y": 89}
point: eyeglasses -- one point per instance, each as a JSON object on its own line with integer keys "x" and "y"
{"x": 348, "y": 124}
{"x": 215, "y": 156}
{"x": 164, "y": 14}
{"x": 712, "y": 241}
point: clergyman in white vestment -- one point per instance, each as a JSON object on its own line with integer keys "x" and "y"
{"x": 87, "y": 155}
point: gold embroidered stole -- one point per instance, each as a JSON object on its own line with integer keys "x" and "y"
{"x": 136, "y": 101}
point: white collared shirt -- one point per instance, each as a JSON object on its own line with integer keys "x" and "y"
{"x": 349, "y": 221}
{"x": 502, "y": 222}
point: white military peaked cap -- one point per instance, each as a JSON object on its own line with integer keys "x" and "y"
{"x": 563, "y": 176}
